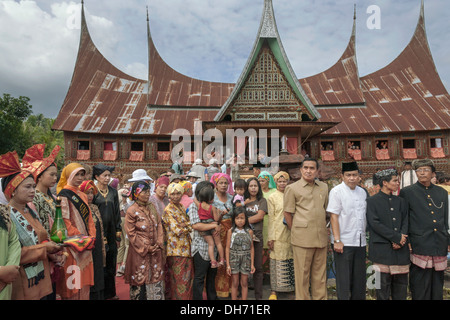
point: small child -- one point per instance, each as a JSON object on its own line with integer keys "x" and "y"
{"x": 240, "y": 253}
{"x": 240, "y": 186}
{"x": 238, "y": 200}
{"x": 207, "y": 214}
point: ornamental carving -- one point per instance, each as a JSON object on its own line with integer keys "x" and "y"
{"x": 266, "y": 89}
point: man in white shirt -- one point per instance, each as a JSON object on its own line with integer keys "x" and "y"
{"x": 347, "y": 209}
{"x": 408, "y": 176}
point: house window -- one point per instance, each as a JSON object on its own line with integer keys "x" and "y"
{"x": 163, "y": 151}
{"x": 83, "y": 152}
{"x": 354, "y": 149}
{"x": 327, "y": 150}
{"x": 137, "y": 151}
{"x": 409, "y": 149}
{"x": 436, "y": 149}
{"x": 382, "y": 149}
{"x": 109, "y": 150}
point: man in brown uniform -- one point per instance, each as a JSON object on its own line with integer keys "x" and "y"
{"x": 305, "y": 202}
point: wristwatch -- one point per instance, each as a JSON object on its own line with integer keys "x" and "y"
{"x": 337, "y": 241}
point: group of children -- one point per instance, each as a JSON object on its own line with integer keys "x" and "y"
{"x": 239, "y": 253}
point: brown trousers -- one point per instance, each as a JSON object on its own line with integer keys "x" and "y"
{"x": 310, "y": 265}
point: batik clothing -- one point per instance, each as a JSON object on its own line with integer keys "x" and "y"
{"x": 109, "y": 208}
{"x": 144, "y": 229}
{"x": 179, "y": 260}
{"x": 178, "y": 237}
{"x": 98, "y": 256}
{"x": 45, "y": 207}
{"x": 10, "y": 250}
{"x": 281, "y": 257}
{"x": 282, "y": 276}
{"x": 266, "y": 252}
{"x": 34, "y": 282}
{"x": 223, "y": 280}
{"x": 77, "y": 223}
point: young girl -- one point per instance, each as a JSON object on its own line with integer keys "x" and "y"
{"x": 207, "y": 213}
{"x": 240, "y": 187}
{"x": 240, "y": 253}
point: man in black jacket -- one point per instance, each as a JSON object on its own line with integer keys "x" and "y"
{"x": 428, "y": 233}
{"x": 387, "y": 217}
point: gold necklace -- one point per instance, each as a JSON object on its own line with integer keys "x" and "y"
{"x": 104, "y": 193}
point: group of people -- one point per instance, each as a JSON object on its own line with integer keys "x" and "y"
{"x": 206, "y": 235}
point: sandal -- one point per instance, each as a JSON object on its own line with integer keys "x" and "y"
{"x": 273, "y": 296}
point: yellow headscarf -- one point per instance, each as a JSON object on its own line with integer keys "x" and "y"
{"x": 175, "y": 187}
{"x": 281, "y": 174}
{"x": 67, "y": 175}
{"x": 186, "y": 186}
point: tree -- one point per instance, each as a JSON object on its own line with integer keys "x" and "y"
{"x": 13, "y": 111}
{"x": 20, "y": 129}
{"x": 39, "y": 130}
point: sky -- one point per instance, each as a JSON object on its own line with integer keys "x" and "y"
{"x": 205, "y": 39}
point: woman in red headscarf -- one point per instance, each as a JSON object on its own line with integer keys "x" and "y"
{"x": 99, "y": 250}
{"x": 222, "y": 201}
{"x": 78, "y": 219}
{"x": 46, "y": 177}
{"x": 18, "y": 185}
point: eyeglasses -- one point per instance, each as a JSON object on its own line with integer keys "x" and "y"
{"x": 423, "y": 170}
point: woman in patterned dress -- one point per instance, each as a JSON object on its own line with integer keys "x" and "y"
{"x": 279, "y": 241}
{"x": 179, "y": 259}
{"x": 144, "y": 265}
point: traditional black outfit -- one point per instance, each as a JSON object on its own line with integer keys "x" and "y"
{"x": 387, "y": 218}
{"x": 429, "y": 238}
{"x": 109, "y": 207}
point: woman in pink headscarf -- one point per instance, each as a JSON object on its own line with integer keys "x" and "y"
{"x": 222, "y": 201}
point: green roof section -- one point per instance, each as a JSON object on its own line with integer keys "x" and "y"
{"x": 268, "y": 31}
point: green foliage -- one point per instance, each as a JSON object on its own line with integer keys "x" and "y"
{"x": 20, "y": 129}
{"x": 13, "y": 111}
{"x": 39, "y": 130}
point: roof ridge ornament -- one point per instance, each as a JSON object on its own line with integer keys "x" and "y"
{"x": 268, "y": 26}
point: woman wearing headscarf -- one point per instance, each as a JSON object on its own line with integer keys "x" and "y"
{"x": 33, "y": 281}
{"x": 179, "y": 259}
{"x": 78, "y": 218}
{"x": 186, "y": 199}
{"x": 99, "y": 250}
{"x": 279, "y": 241}
{"x": 268, "y": 187}
{"x": 144, "y": 265}
{"x": 107, "y": 201}
{"x": 44, "y": 201}
{"x": 222, "y": 201}
{"x": 46, "y": 176}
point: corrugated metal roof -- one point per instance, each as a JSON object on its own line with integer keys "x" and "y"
{"x": 339, "y": 85}
{"x": 406, "y": 95}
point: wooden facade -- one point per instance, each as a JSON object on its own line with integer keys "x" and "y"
{"x": 396, "y": 114}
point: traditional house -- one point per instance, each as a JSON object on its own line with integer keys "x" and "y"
{"x": 398, "y": 113}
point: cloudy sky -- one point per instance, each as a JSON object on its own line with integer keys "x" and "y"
{"x": 205, "y": 39}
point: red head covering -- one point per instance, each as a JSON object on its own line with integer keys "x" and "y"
{"x": 34, "y": 157}
{"x": 10, "y": 166}
{"x": 217, "y": 176}
{"x": 162, "y": 180}
{"x": 88, "y": 185}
